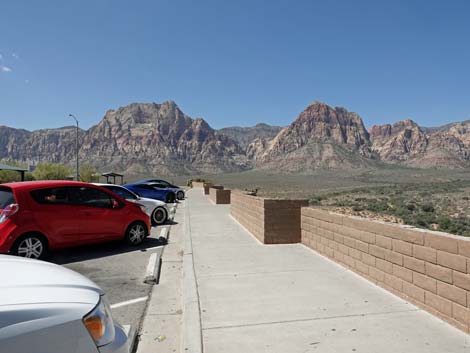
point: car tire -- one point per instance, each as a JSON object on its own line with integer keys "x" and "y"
{"x": 32, "y": 245}
{"x": 180, "y": 195}
{"x": 170, "y": 197}
{"x": 159, "y": 216}
{"x": 136, "y": 233}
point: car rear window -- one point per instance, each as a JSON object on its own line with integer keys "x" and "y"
{"x": 6, "y": 197}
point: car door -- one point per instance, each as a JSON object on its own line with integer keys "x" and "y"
{"x": 98, "y": 220}
{"x": 56, "y": 216}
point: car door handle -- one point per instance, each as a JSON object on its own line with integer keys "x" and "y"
{"x": 87, "y": 213}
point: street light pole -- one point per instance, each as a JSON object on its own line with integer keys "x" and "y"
{"x": 76, "y": 148}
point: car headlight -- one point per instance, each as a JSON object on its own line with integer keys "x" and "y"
{"x": 99, "y": 323}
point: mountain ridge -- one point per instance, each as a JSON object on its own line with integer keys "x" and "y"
{"x": 158, "y": 138}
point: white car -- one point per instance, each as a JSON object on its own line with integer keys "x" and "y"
{"x": 157, "y": 210}
{"x": 46, "y": 308}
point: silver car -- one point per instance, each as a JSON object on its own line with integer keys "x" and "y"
{"x": 46, "y": 308}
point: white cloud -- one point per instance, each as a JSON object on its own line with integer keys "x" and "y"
{"x": 15, "y": 56}
{"x": 26, "y": 81}
{"x": 5, "y": 69}
{"x": 1, "y": 56}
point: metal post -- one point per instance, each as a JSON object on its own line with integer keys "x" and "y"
{"x": 76, "y": 148}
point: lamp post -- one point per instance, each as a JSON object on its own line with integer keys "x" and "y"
{"x": 76, "y": 148}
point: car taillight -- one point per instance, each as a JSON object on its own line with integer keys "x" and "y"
{"x": 8, "y": 211}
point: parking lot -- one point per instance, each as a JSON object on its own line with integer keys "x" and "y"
{"x": 119, "y": 269}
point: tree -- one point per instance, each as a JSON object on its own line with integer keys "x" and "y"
{"x": 7, "y": 176}
{"x": 51, "y": 171}
{"x": 88, "y": 173}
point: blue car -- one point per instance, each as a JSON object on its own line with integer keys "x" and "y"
{"x": 147, "y": 190}
{"x": 163, "y": 184}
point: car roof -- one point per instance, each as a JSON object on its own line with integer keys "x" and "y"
{"x": 29, "y": 185}
{"x": 106, "y": 184}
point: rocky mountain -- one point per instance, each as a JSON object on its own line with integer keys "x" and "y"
{"x": 139, "y": 138}
{"x": 320, "y": 137}
{"x": 407, "y": 143}
{"x": 246, "y": 135}
{"x": 151, "y": 138}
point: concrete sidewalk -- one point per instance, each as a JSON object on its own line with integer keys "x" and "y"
{"x": 288, "y": 299}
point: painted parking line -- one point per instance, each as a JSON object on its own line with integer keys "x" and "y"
{"x": 129, "y": 302}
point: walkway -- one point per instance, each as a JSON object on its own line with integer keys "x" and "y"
{"x": 288, "y": 299}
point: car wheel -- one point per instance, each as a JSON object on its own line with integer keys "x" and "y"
{"x": 170, "y": 198}
{"x": 159, "y": 216}
{"x": 33, "y": 246}
{"x": 180, "y": 195}
{"x": 136, "y": 233}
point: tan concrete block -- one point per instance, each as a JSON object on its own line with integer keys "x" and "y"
{"x": 461, "y": 314}
{"x": 464, "y": 247}
{"x": 361, "y": 246}
{"x": 377, "y": 251}
{"x": 394, "y": 282}
{"x": 367, "y": 237}
{"x": 384, "y": 266}
{"x": 394, "y": 257}
{"x": 323, "y": 215}
{"x": 361, "y": 267}
{"x": 453, "y": 261}
{"x": 414, "y": 264}
{"x": 368, "y": 259}
{"x": 356, "y": 254}
{"x": 440, "y": 273}
{"x": 461, "y": 280}
{"x": 453, "y": 293}
{"x": 350, "y": 242}
{"x": 338, "y": 238}
{"x": 383, "y": 242}
{"x": 403, "y": 273}
{"x": 348, "y": 260}
{"x": 413, "y": 291}
{"x": 425, "y": 282}
{"x": 425, "y": 253}
{"x": 343, "y": 249}
{"x": 441, "y": 242}
{"x": 376, "y": 274}
{"x": 442, "y": 305}
{"x": 402, "y": 247}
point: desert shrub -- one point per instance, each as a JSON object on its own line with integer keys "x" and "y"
{"x": 427, "y": 207}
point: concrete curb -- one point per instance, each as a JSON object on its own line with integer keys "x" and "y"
{"x": 131, "y": 336}
{"x": 192, "y": 332}
{"x": 153, "y": 268}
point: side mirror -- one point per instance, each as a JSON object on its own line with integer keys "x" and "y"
{"x": 115, "y": 204}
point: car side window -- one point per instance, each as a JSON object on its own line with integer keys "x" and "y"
{"x": 52, "y": 196}
{"x": 91, "y": 197}
{"x": 145, "y": 187}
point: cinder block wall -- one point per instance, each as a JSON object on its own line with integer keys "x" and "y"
{"x": 271, "y": 221}
{"x": 207, "y": 186}
{"x": 429, "y": 269}
{"x": 219, "y": 196}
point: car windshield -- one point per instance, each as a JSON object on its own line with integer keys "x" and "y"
{"x": 6, "y": 197}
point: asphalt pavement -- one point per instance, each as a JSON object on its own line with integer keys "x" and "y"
{"x": 119, "y": 269}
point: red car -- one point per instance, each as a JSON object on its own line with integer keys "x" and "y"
{"x": 39, "y": 216}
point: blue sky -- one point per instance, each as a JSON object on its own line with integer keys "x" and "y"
{"x": 234, "y": 62}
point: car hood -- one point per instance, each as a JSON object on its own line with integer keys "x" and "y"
{"x": 151, "y": 202}
{"x": 26, "y": 281}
